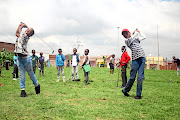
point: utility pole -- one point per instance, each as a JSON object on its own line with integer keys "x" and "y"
{"x": 118, "y": 56}
{"x": 118, "y": 43}
{"x": 158, "y": 48}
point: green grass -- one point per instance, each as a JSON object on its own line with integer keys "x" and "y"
{"x": 100, "y": 100}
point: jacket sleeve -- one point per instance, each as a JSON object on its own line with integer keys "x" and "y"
{"x": 63, "y": 57}
{"x": 127, "y": 58}
{"x": 56, "y": 60}
{"x": 77, "y": 58}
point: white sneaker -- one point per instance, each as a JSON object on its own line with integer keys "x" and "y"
{"x": 14, "y": 79}
{"x": 57, "y": 80}
{"x": 64, "y": 80}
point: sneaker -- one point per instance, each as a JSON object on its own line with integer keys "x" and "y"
{"x": 37, "y": 88}
{"x": 64, "y": 80}
{"x": 57, "y": 80}
{"x": 125, "y": 94}
{"x": 23, "y": 93}
{"x": 137, "y": 97}
{"x": 14, "y": 79}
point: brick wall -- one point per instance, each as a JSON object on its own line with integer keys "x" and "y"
{"x": 9, "y": 47}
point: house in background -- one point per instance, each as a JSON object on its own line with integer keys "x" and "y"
{"x": 103, "y": 61}
{"x": 9, "y": 47}
{"x": 52, "y": 59}
{"x": 152, "y": 62}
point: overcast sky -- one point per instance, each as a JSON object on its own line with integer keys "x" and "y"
{"x": 61, "y": 22}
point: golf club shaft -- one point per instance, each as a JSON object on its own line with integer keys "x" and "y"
{"x": 44, "y": 42}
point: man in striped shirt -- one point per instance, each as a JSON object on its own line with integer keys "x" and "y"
{"x": 138, "y": 61}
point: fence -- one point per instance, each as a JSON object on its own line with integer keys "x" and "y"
{"x": 162, "y": 65}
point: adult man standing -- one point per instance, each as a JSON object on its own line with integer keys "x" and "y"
{"x": 24, "y": 60}
{"x": 138, "y": 61}
{"x": 124, "y": 61}
{"x": 177, "y": 61}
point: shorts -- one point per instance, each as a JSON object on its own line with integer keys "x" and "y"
{"x": 111, "y": 66}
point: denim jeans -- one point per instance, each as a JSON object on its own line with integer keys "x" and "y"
{"x": 26, "y": 64}
{"x": 137, "y": 66}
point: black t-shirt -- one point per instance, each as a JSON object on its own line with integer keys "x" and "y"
{"x": 177, "y": 61}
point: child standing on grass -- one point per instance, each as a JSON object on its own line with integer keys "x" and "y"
{"x": 138, "y": 61}
{"x": 15, "y": 69}
{"x": 34, "y": 60}
{"x": 75, "y": 61}
{"x": 112, "y": 63}
{"x": 24, "y": 60}
{"x": 41, "y": 64}
{"x": 124, "y": 60}
{"x": 60, "y": 65}
{"x": 86, "y": 66}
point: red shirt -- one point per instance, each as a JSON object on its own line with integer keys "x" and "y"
{"x": 125, "y": 57}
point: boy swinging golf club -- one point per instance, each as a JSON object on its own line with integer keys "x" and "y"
{"x": 138, "y": 61}
{"x": 24, "y": 60}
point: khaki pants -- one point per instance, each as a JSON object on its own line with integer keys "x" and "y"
{"x": 75, "y": 69}
{"x": 62, "y": 72}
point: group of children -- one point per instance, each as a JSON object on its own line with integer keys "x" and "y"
{"x": 60, "y": 58}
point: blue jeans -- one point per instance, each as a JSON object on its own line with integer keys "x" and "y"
{"x": 137, "y": 66}
{"x": 26, "y": 64}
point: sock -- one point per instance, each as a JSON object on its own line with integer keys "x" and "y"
{"x": 22, "y": 88}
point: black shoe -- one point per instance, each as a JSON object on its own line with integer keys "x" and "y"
{"x": 125, "y": 94}
{"x": 37, "y": 88}
{"x": 137, "y": 97}
{"x": 23, "y": 93}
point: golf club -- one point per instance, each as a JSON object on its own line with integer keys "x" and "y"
{"x": 45, "y": 43}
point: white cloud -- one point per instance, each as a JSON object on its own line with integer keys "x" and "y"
{"x": 60, "y": 22}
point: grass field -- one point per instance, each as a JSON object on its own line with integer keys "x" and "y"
{"x": 100, "y": 100}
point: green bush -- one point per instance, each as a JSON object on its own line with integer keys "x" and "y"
{"x": 6, "y": 56}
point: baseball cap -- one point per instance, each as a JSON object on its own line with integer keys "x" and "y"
{"x": 125, "y": 30}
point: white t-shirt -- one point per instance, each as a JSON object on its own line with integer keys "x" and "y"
{"x": 85, "y": 59}
{"x": 21, "y": 43}
{"x": 111, "y": 60}
{"x": 74, "y": 60}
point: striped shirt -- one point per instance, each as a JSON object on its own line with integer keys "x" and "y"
{"x": 134, "y": 45}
